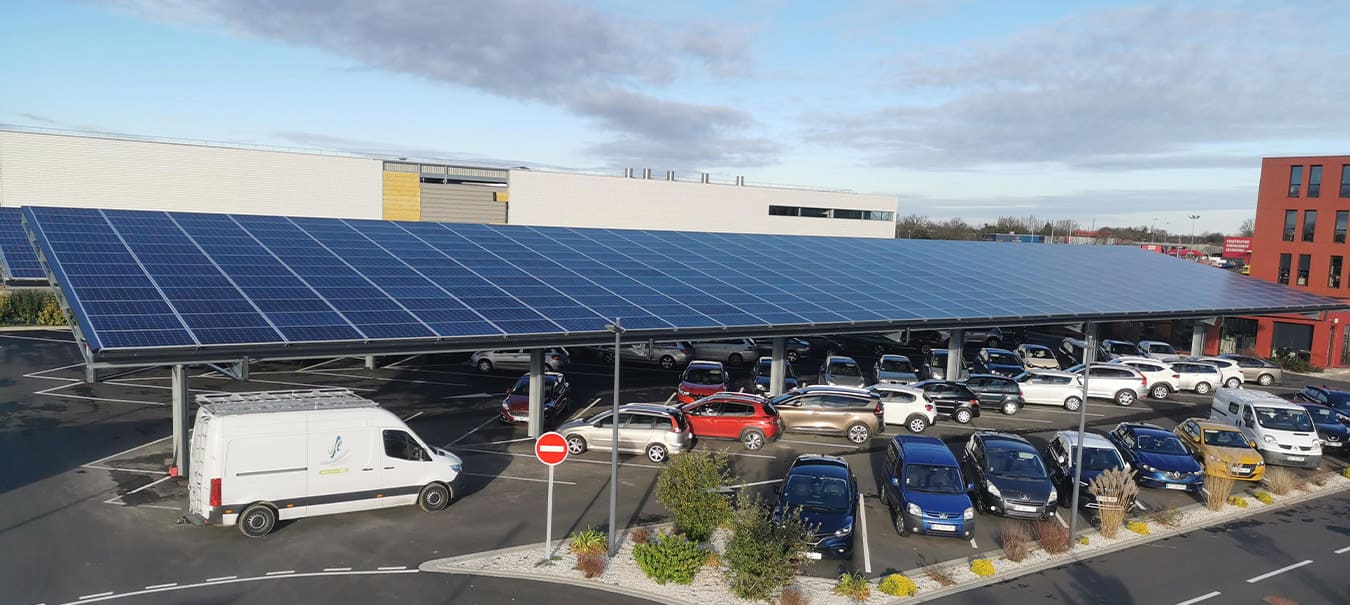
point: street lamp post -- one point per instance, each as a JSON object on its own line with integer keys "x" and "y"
{"x": 1194, "y": 217}
{"x": 614, "y": 447}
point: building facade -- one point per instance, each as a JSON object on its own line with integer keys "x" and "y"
{"x": 1302, "y": 210}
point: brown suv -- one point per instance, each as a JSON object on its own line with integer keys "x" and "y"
{"x": 826, "y": 409}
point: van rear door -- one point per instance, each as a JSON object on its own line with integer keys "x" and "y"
{"x": 199, "y": 488}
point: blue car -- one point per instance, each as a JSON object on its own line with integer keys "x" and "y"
{"x": 1158, "y": 457}
{"x": 824, "y": 492}
{"x": 1333, "y": 425}
{"x": 925, "y": 490}
{"x": 1000, "y": 361}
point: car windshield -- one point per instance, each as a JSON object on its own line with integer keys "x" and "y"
{"x": 1100, "y": 459}
{"x": 829, "y": 494}
{"x": 896, "y": 365}
{"x": 1339, "y": 400}
{"x": 844, "y": 368}
{"x": 933, "y": 479}
{"x": 523, "y": 386}
{"x": 1225, "y": 438}
{"x": 1162, "y": 349}
{"x": 1155, "y": 444}
{"x": 1015, "y": 464}
{"x": 1282, "y": 419}
{"x": 1124, "y": 348}
{"x": 703, "y": 376}
{"x": 1322, "y": 415}
{"x": 1038, "y": 353}
{"x": 1003, "y": 358}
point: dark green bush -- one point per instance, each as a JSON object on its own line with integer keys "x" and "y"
{"x": 30, "y": 308}
{"x": 762, "y": 556}
{"x": 1296, "y": 364}
{"x": 670, "y": 558}
{"x": 688, "y": 487}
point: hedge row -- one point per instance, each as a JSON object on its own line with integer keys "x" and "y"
{"x": 30, "y": 308}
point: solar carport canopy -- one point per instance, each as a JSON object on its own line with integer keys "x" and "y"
{"x": 18, "y": 261}
{"x": 167, "y": 287}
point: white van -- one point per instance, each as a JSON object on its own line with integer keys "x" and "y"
{"x": 260, "y": 457}
{"x": 1282, "y": 431}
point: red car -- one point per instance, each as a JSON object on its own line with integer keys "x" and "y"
{"x": 700, "y": 379}
{"x": 557, "y": 395}
{"x": 745, "y": 417}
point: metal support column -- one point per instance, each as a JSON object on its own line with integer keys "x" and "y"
{"x": 536, "y": 423}
{"x": 1089, "y": 355}
{"x": 1198, "y": 338}
{"x": 182, "y": 418}
{"x": 778, "y": 368}
{"x": 955, "y": 343}
{"x": 90, "y": 373}
{"x": 370, "y": 362}
{"x": 614, "y": 450}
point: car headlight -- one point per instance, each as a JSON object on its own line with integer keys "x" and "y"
{"x": 1260, "y": 463}
{"x": 968, "y": 514}
{"x": 1197, "y": 473}
{"x": 993, "y": 490}
{"x": 506, "y": 406}
{"x": 1268, "y": 438}
{"x": 1082, "y": 484}
{"x": 1148, "y": 468}
{"x": 456, "y": 466}
{"x": 1054, "y": 495}
{"x": 1317, "y": 443}
{"x": 914, "y": 509}
{"x": 844, "y": 531}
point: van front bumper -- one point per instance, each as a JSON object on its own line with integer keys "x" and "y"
{"x": 1296, "y": 460}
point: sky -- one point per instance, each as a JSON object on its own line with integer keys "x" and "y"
{"x": 1108, "y": 113}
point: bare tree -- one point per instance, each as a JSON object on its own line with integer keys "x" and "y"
{"x": 1248, "y": 227}
{"x": 914, "y": 226}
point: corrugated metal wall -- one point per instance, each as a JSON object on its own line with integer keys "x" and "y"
{"x": 402, "y": 196}
{"x": 449, "y": 203}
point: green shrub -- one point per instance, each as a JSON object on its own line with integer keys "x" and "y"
{"x": 982, "y": 567}
{"x": 1138, "y": 527}
{"x": 762, "y": 555}
{"x": 688, "y": 487}
{"x": 51, "y": 314}
{"x": 1345, "y": 472}
{"x": 1238, "y": 501}
{"x": 1263, "y": 496}
{"x": 1296, "y": 364}
{"x": 588, "y": 542}
{"x": 22, "y": 307}
{"x": 670, "y": 558}
{"x": 1083, "y": 540}
{"x": 854, "y": 586}
{"x": 898, "y": 585}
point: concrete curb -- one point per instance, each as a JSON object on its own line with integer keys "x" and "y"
{"x": 34, "y": 328}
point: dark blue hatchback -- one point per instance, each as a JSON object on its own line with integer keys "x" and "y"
{"x": 1158, "y": 457}
{"x": 924, "y": 488}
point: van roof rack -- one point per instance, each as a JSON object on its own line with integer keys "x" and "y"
{"x": 258, "y": 402}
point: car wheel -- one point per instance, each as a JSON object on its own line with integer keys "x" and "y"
{"x": 1072, "y": 404}
{"x": 963, "y": 416}
{"x": 1009, "y": 408}
{"x": 1202, "y": 388}
{"x": 1125, "y": 397}
{"x": 916, "y": 424}
{"x": 735, "y": 359}
{"x": 607, "y": 357}
{"x": 484, "y": 366}
{"x": 858, "y": 433}
{"x": 878, "y": 351}
{"x": 656, "y": 452}
{"x": 993, "y": 342}
{"x": 1160, "y": 391}
{"x": 434, "y": 497}
{"x": 1265, "y": 380}
{"x": 900, "y": 527}
{"x": 1233, "y": 383}
{"x": 257, "y": 520}
{"x": 925, "y": 348}
{"x": 576, "y": 445}
{"x": 793, "y": 356}
{"x": 667, "y": 362}
{"x": 752, "y": 440}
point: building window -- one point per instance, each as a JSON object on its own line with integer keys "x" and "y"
{"x": 1295, "y": 180}
{"x": 1290, "y": 221}
{"x": 1309, "y": 224}
{"x": 1315, "y": 181}
{"x": 880, "y": 215}
{"x": 853, "y": 214}
{"x": 1339, "y": 236}
{"x": 1345, "y": 184}
{"x": 1334, "y": 273}
{"x": 1284, "y": 268}
{"x": 815, "y": 212}
{"x": 783, "y": 210}
{"x": 1304, "y": 265}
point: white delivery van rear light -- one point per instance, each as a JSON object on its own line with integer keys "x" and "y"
{"x": 215, "y": 492}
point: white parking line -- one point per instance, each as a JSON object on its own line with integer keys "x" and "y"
{"x": 867, "y": 553}
{"x": 1061, "y": 520}
{"x": 582, "y": 413}
{"x": 973, "y": 545}
{"x": 280, "y": 573}
{"x": 754, "y": 483}
{"x": 337, "y": 569}
{"x": 1278, "y": 571}
{"x": 394, "y": 568}
{"x": 507, "y": 441}
{"x": 475, "y": 430}
{"x": 221, "y": 578}
{"x": 413, "y": 416}
{"x": 153, "y": 587}
{"x": 96, "y": 595}
{"x": 820, "y": 443}
{"x": 1200, "y": 598}
{"x": 1014, "y": 419}
{"x": 131, "y": 449}
{"x": 749, "y": 455}
{"x": 118, "y": 498}
{"x": 518, "y": 478}
{"x": 1341, "y": 551}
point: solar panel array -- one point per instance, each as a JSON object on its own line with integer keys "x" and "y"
{"x": 18, "y": 261}
{"x": 146, "y": 280}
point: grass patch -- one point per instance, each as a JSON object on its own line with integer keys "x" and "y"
{"x": 1015, "y": 540}
{"x": 982, "y": 567}
{"x": 898, "y": 585}
{"x": 1263, "y": 496}
{"x": 1320, "y": 479}
{"x": 1167, "y": 516}
{"x": 1053, "y": 537}
{"x": 939, "y": 575}
{"x": 1217, "y": 490}
{"x": 1138, "y": 527}
{"x": 588, "y": 542}
{"x": 1238, "y": 501}
{"x": 1280, "y": 481}
{"x": 793, "y": 596}
{"x": 591, "y": 564}
{"x": 854, "y": 586}
{"x": 1083, "y": 540}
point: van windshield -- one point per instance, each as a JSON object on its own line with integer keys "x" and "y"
{"x": 933, "y": 479}
{"x": 1281, "y": 419}
{"x": 896, "y": 365}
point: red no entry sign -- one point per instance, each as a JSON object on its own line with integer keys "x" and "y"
{"x": 550, "y": 448}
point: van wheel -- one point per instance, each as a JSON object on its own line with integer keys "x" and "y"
{"x": 656, "y": 453}
{"x": 1072, "y": 404}
{"x": 576, "y": 445}
{"x": 916, "y": 424}
{"x": 1009, "y": 408}
{"x": 1233, "y": 383}
{"x": 793, "y": 356}
{"x": 667, "y": 362}
{"x": 858, "y": 433}
{"x": 1265, "y": 380}
{"x": 735, "y": 359}
{"x": 1125, "y": 397}
{"x": 484, "y": 366}
{"x": 1202, "y": 388}
{"x": 963, "y": 415}
{"x": 752, "y": 439}
{"x": 1160, "y": 391}
{"x": 900, "y": 527}
{"x": 257, "y": 520}
{"x": 434, "y": 497}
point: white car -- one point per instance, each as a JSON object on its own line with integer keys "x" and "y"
{"x": 1051, "y": 387}
{"x": 1158, "y": 349}
{"x": 734, "y": 351}
{"x": 1197, "y": 376}
{"x": 1122, "y": 384}
{"x": 905, "y": 405}
{"x": 1162, "y": 379}
{"x": 555, "y": 360}
{"x": 1037, "y": 356}
{"x": 1232, "y": 372}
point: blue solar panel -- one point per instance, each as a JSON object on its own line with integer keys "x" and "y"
{"x": 179, "y": 281}
{"x": 18, "y": 260}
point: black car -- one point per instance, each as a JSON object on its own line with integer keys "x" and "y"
{"x": 952, "y": 399}
{"x": 825, "y": 492}
{"x": 1333, "y": 425}
{"x": 1009, "y": 476}
{"x": 763, "y": 371}
{"x": 868, "y": 345}
{"x": 794, "y": 349}
{"x": 996, "y": 392}
{"x": 1326, "y": 396}
{"x": 935, "y": 365}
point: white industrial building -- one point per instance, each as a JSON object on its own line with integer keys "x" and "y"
{"x": 113, "y": 171}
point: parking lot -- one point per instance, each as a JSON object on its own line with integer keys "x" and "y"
{"x": 91, "y": 486}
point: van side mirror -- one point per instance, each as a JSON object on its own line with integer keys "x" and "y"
{"x": 970, "y": 487}
{"x": 895, "y": 482}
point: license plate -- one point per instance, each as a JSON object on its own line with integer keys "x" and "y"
{"x": 1331, "y": 444}
{"x": 943, "y": 527}
{"x": 1175, "y": 486}
{"x": 814, "y": 556}
{"x": 1022, "y": 509}
{"x": 521, "y": 418}
{"x": 1296, "y": 458}
{"x": 1240, "y": 469}
{"x": 1107, "y": 499}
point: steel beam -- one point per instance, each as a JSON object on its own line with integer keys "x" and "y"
{"x": 182, "y": 419}
{"x": 777, "y": 369}
{"x": 536, "y": 422}
{"x": 956, "y": 341}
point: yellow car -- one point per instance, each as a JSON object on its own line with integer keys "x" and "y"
{"x": 1246, "y": 269}
{"x": 1222, "y": 449}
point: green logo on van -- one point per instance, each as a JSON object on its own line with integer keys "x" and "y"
{"x": 336, "y": 454}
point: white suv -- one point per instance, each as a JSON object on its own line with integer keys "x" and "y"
{"x": 905, "y": 405}
{"x": 1122, "y": 384}
{"x": 1162, "y": 379}
{"x": 1198, "y": 376}
{"x": 1051, "y": 387}
{"x": 1232, "y": 372}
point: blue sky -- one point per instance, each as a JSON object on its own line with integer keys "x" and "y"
{"x": 1113, "y": 112}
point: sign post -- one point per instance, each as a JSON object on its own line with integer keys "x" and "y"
{"x": 551, "y": 449}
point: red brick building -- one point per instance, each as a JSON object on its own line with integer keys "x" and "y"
{"x": 1302, "y": 210}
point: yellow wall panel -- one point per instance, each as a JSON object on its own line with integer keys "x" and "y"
{"x": 402, "y": 196}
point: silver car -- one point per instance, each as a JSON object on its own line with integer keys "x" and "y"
{"x": 668, "y": 355}
{"x": 655, "y": 431}
{"x": 841, "y": 371}
{"x": 1122, "y": 384}
{"x": 555, "y": 359}
{"x": 793, "y": 348}
{"x": 894, "y": 369}
{"x": 1260, "y": 371}
{"x": 734, "y": 351}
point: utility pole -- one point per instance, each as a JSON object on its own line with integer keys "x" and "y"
{"x": 1193, "y": 219}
